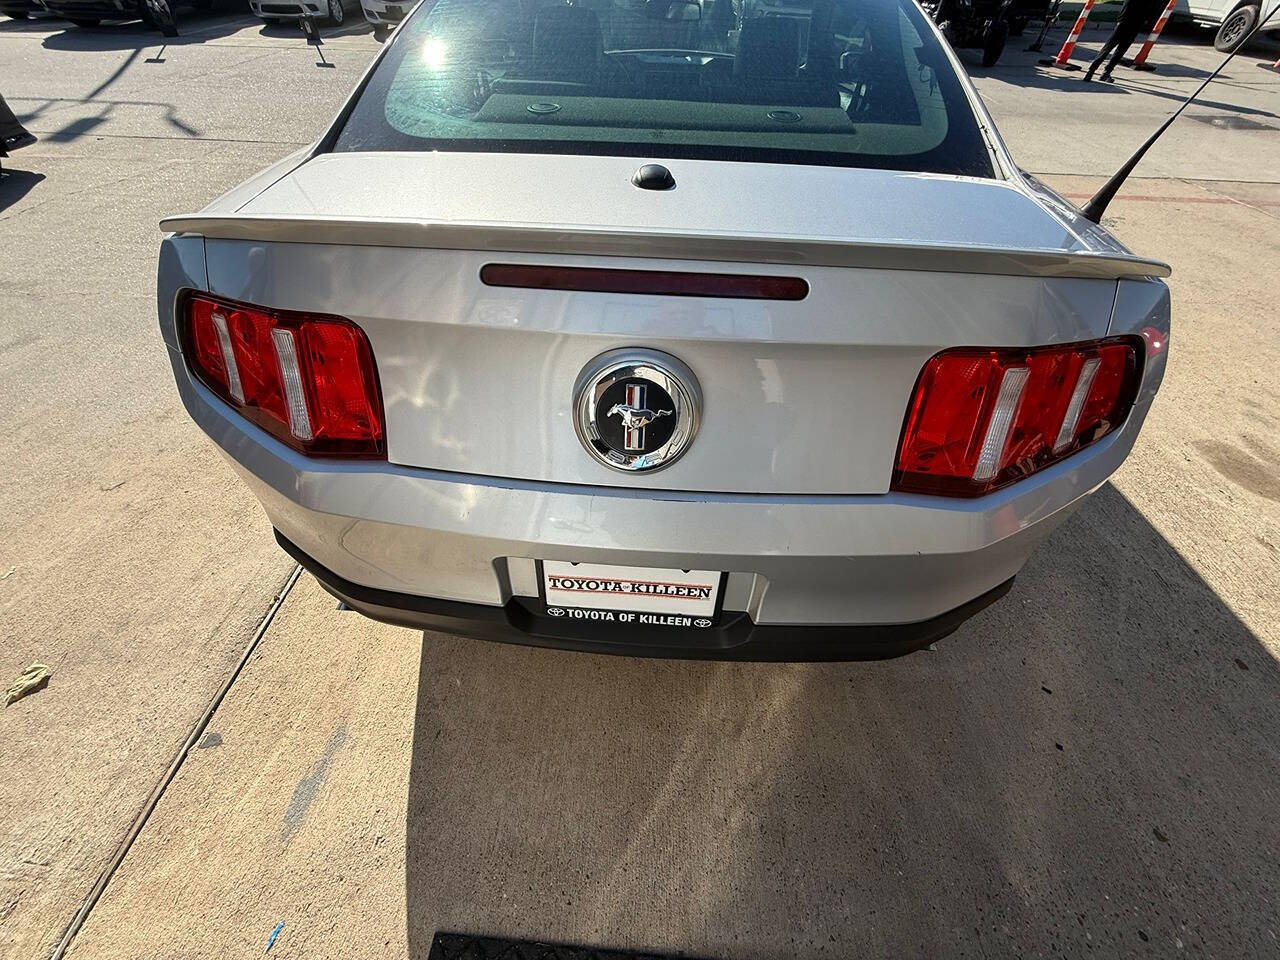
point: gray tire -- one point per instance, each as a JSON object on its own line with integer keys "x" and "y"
{"x": 993, "y": 42}
{"x": 337, "y": 13}
{"x": 1235, "y": 28}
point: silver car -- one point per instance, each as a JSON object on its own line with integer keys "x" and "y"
{"x": 664, "y": 328}
{"x": 278, "y": 11}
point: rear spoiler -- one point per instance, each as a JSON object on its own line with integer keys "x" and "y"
{"x": 735, "y": 248}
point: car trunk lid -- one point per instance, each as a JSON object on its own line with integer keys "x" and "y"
{"x": 801, "y": 396}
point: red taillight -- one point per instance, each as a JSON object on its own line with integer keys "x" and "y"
{"x": 307, "y": 379}
{"x": 982, "y": 418}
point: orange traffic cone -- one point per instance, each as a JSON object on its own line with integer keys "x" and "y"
{"x": 1140, "y": 61}
{"x": 1060, "y": 61}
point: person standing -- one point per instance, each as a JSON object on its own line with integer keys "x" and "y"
{"x": 1135, "y": 17}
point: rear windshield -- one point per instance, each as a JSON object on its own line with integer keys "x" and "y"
{"x": 838, "y": 82}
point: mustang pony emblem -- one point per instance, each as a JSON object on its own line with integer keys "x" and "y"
{"x": 636, "y": 409}
{"x": 633, "y": 419}
{"x": 635, "y": 416}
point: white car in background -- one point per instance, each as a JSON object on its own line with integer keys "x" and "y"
{"x": 277, "y": 11}
{"x": 385, "y": 14}
{"x": 1235, "y": 19}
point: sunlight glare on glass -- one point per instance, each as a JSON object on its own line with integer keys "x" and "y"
{"x": 434, "y": 53}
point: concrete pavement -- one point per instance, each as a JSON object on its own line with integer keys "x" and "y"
{"x": 1058, "y": 125}
{"x": 1088, "y": 764}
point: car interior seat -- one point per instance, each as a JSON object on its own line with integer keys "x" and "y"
{"x": 768, "y": 49}
{"x": 769, "y": 66}
{"x": 567, "y": 44}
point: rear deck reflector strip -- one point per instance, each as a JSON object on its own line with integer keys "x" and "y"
{"x": 993, "y": 444}
{"x": 228, "y": 357}
{"x": 661, "y": 283}
{"x": 295, "y": 396}
{"x": 1067, "y": 433}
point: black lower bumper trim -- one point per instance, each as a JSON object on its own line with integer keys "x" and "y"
{"x": 463, "y": 946}
{"x": 736, "y": 637}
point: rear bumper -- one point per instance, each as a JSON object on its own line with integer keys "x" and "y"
{"x": 886, "y": 573}
{"x": 289, "y": 9}
{"x": 525, "y": 620}
{"x": 385, "y": 14}
{"x": 101, "y": 9}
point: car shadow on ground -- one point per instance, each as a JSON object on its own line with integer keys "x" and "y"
{"x": 193, "y": 28}
{"x": 15, "y": 184}
{"x": 1086, "y": 766}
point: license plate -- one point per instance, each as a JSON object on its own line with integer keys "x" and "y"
{"x": 640, "y": 596}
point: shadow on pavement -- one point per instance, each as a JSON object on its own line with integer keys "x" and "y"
{"x": 194, "y": 28}
{"x": 290, "y": 29}
{"x": 1021, "y": 67}
{"x": 32, "y": 25}
{"x": 84, "y": 126}
{"x": 1140, "y": 86}
{"x": 1088, "y": 766}
{"x": 15, "y": 184}
{"x": 1127, "y": 83}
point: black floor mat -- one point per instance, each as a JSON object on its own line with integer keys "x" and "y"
{"x": 464, "y": 946}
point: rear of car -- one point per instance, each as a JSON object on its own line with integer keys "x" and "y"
{"x": 667, "y": 328}
{"x": 275, "y": 11}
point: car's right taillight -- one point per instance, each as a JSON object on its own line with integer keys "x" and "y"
{"x": 983, "y": 418}
{"x": 307, "y": 379}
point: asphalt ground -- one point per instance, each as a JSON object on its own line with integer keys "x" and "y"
{"x": 1088, "y": 767}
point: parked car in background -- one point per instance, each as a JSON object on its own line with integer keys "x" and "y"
{"x": 17, "y": 9}
{"x": 984, "y": 24}
{"x": 90, "y": 13}
{"x": 277, "y": 11}
{"x": 385, "y": 14}
{"x": 1235, "y": 19}
{"x": 623, "y": 326}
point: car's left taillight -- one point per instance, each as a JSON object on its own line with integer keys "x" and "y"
{"x": 307, "y": 379}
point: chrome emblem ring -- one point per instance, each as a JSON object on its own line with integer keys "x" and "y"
{"x": 636, "y": 410}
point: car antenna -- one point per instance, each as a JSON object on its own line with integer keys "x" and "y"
{"x": 1096, "y": 207}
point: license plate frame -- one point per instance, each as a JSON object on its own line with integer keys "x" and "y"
{"x": 628, "y": 609}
